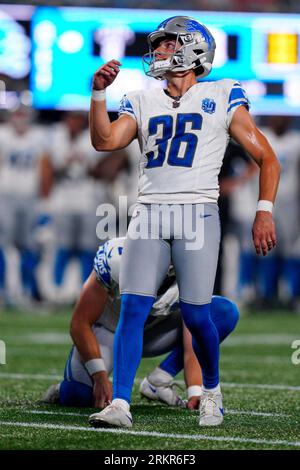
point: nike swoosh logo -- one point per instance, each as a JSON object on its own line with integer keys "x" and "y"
{"x": 130, "y": 419}
{"x": 203, "y": 216}
{"x": 152, "y": 389}
{"x": 222, "y": 411}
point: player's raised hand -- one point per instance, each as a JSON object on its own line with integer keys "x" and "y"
{"x": 102, "y": 389}
{"x": 263, "y": 232}
{"x": 106, "y": 74}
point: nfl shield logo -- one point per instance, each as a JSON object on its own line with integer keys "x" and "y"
{"x": 208, "y": 105}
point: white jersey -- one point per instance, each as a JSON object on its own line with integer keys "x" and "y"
{"x": 182, "y": 148}
{"x": 19, "y": 160}
{"x": 107, "y": 268}
{"x": 287, "y": 150}
{"x": 74, "y": 190}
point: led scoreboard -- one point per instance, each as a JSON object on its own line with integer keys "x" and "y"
{"x": 15, "y": 40}
{"x": 69, "y": 43}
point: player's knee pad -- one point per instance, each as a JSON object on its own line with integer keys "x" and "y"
{"x": 225, "y": 315}
{"x": 72, "y": 393}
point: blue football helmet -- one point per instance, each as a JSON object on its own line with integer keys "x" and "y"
{"x": 196, "y": 48}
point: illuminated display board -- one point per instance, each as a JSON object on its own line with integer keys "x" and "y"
{"x": 68, "y": 44}
{"x": 15, "y": 41}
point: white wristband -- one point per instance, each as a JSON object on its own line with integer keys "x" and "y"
{"x": 95, "y": 365}
{"x": 194, "y": 391}
{"x": 98, "y": 95}
{"x": 263, "y": 205}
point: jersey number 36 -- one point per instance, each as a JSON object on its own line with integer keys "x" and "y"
{"x": 156, "y": 159}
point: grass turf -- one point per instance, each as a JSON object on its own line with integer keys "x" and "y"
{"x": 256, "y": 356}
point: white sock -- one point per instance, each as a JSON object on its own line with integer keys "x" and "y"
{"x": 159, "y": 376}
{"x": 216, "y": 389}
{"x": 121, "y": 403}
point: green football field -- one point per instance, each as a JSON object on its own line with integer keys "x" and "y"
{"x": 261, "y": 389}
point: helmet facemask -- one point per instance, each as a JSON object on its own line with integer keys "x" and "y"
{"x": 172, "y": 61}
{"x": 192, "y": 51}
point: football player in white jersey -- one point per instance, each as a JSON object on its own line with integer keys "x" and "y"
{"x": 285, "y": 261}
{"x": 22, "y": 153}
{"x": 74, "y": 195}
{"x": 94, "y": 322}
{"x": 183, "y": 132}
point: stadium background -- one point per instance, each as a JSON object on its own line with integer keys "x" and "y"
{"x": 51, "y": 181}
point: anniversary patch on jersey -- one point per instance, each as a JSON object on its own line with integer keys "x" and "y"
{"x": 208, "y": 105}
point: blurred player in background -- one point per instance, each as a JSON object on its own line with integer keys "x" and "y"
{"x": 242, "y": 189}
{"x": 126, "y": 181}
{"x": 74, "y": 195}
{"x": 183, "y": 132}
{"x": 236, "y": 170}
{"x": 22, "y": 160}
{"x": 94, "y": 322}
{"x": 261, "y": 278}
{"x": 285, "y": 262}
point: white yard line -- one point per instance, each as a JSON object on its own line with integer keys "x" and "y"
{"x": 227, "y": 412}
{"x": 56, "y": 413}
{"x": 194, "y": 437}
{"x": 261, "y": 359}
{"x": 292, "y": 388}
{"x": 259, "y": 339}
{"x": 239, "y": 360}
{"x": 257, "y": 413}
{"x": 20, "y": 376}
{"x": 56, "y": 337}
